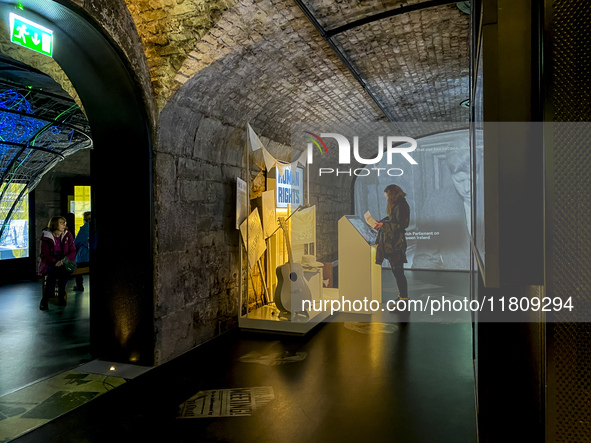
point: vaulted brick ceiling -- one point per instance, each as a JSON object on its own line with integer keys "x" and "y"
{"x": 265, "y": 62}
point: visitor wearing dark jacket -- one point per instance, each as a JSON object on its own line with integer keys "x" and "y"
{"x": 391, "y": 238}
{"x": 56, "y": 243}
{"x": 82, "y": 249}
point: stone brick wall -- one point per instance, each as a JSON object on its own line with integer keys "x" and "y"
{"x": 196, "y": 277}
{"x": 264, "y": 62}
{"x": 118, "y": 22}
{"x": 197, "y": 245}
{"x": 420, "y": 58}
{"x": 332, "y": 200}
{"x": 168, "y": 30}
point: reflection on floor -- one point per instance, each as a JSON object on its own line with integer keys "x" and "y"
{"x": 38, "y": 344}
{"x": 349, "y": 381}
{"x": 433, "y": 290}
{"x": 46, "y": 400}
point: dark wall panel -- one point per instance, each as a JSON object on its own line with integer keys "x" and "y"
{"x": 569, "y": 212}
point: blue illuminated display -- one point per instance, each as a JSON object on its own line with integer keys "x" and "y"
{"x": 13, "y": 127}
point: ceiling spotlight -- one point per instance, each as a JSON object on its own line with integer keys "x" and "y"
{"x": 465, "y": 103}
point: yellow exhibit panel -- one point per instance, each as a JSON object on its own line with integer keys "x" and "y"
{"x": 81, "y": 204}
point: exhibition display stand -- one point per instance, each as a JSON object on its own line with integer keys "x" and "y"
{"x": 278, "y": 269}
{"x": 359, "y": 276}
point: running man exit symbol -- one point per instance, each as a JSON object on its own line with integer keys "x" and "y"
{"x": 31, "y": 35}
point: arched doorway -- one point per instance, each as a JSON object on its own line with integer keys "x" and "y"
{"x": 121, "y": 166}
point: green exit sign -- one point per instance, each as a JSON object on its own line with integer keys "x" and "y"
{"x": 31, "y": 35}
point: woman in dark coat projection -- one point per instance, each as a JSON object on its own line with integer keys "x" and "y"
{"x": 391, "y": 238}
{"x": 56, "y": 243}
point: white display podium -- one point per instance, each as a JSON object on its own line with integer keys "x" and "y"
{"x": 359, "y": 276}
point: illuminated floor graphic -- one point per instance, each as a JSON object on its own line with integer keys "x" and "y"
{"x": 235, "y": 402}
{"x": 37, "y": 404}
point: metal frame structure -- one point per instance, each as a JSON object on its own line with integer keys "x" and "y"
{"x": 328, "y": 34}
{"x": 37, "y": 130}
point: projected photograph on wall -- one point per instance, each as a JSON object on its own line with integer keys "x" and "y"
{"x": 14, "y": 221}
{"x": 439, "y": 196}
{"x": 477, "y": 141}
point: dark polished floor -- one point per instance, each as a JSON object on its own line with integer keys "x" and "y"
{"x": 36, "y": 344}
{"x": 345, "y": 381}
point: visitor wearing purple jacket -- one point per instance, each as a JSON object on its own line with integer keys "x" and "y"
{"x": 56, "y": 243}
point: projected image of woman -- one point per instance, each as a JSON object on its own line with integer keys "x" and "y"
{"x": 391, "y": 238}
